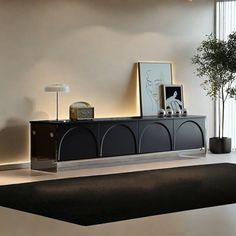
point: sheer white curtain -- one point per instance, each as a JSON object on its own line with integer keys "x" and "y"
{"x": 225, "y": 24}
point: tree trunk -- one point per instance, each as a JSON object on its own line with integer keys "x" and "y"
{"x": 223, "y": 112}
{"x": 219, "y": 117}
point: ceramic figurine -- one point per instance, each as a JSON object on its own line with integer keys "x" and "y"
{"x": 161, "y": 113}
{"x": 169, "y": 112}
{"x": 177, "y": 112}
{"x": 184, "y": 112}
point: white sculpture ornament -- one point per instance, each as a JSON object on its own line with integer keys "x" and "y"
{"x": 161, "y": 113}
{"x": 177, "y": 112}
{"x": 169, "y": 112}
{"x": 184, "y": 112}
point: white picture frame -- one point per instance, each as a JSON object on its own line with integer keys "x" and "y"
{"x": 151, "y": 76}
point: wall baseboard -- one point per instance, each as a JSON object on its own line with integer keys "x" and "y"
{"x": 15, "y": 166}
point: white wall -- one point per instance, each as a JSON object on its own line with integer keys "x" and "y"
{"x": 92, "y": 46}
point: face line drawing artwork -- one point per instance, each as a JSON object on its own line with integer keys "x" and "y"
{"x": 152, "y": 88}
{"x": 152, "y": 75}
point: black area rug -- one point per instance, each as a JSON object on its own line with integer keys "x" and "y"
{"x": 107, "y": 198}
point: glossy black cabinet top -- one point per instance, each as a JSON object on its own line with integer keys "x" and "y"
{"x": 116, "y": 119}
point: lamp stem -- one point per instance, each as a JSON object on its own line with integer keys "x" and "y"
{"x": 57, "y": 100}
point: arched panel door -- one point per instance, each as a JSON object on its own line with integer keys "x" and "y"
{"x": 118, "y": 140}
{"x": 189, "y": 135}
{"x": 78, "y": 143}
{"x": 155, "y": 137}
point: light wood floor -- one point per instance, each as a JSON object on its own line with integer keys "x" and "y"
{"x": 218, "y": 221}
{"x": 27, "y": 175}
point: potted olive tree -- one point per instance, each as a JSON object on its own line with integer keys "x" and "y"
{"x": 215, "y": 62}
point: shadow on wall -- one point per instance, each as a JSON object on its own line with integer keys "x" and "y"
{"x": 130, "y": 97}
{"x": 13, "y": 141}
{"x": 136, "y": 12}
{"x": 131, "y": 5}
{"x": 14, "y": 136}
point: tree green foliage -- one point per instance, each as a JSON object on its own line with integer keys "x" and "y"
{"x": 215, "y": 62}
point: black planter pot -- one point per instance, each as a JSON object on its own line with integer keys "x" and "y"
{"x": 220, "y": 145}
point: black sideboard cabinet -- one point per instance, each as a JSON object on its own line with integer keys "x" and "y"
{"x": 58, "y": 141}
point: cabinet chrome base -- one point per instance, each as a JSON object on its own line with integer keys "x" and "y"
{"x": 53, "y": 166}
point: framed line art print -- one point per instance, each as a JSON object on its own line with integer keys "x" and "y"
{"x": 173, "y": 97}
{"x": 151, "y": 76}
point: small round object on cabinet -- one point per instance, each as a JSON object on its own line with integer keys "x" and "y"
{"x": 169, "y": 112}
{"x": 184, "y": 112}
{"x": 177, "y": 112}
{"x": 161, "y": 113}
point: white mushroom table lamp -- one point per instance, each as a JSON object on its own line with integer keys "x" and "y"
{"x": 57, "y": 88}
